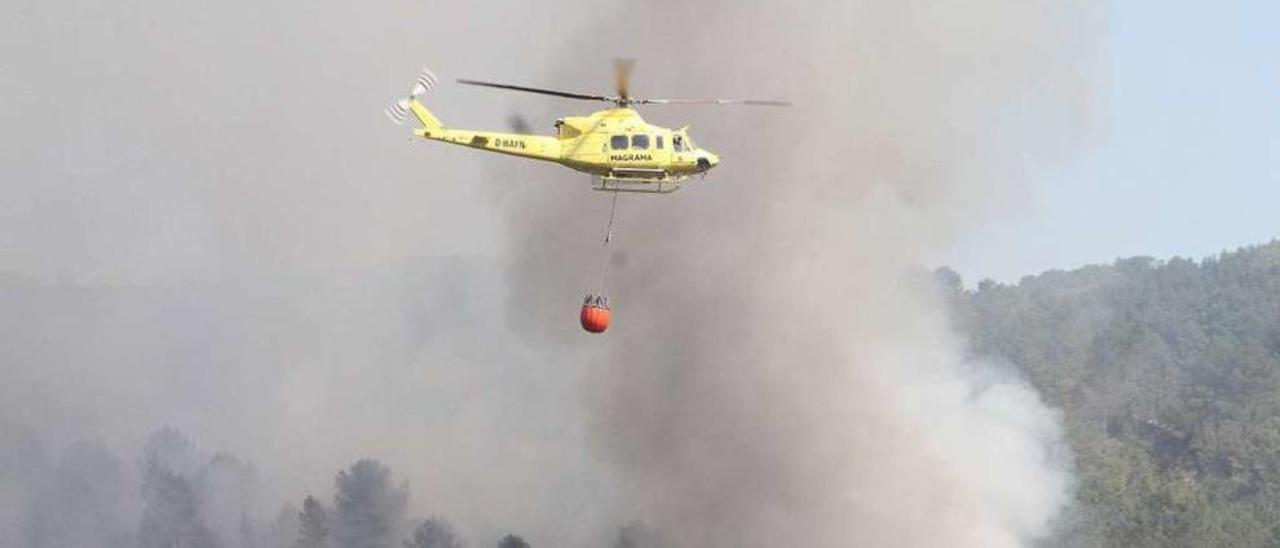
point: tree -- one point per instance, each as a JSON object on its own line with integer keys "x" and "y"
{"x": 283, "y": 532}
{"x": 1167, "y": 374}
{"x": 209, "y": 497}
{"x": 637, "y": 535}
{"x": 367, "y": 508}
{"x": 513, "y": 541}
{"x": 313, "y": 524}
{"x": 228, "y": 487}
{"x": 434, "y": 533}
{"x": 171, "y": 513}
{"x": 173, "y": 450}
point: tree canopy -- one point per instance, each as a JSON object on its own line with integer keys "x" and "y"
{"x": 1168, "y": 374}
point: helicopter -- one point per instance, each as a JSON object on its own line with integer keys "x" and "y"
{"x": 621, "y": 151}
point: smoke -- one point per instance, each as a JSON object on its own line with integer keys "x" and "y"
{"x": 775, "y": 376}
{"x": 208, "y": 224}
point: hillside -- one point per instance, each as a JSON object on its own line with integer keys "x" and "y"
{"x": 1168, "y": 375}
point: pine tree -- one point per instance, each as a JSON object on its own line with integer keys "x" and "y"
{"x": 434, "y": 533}
{"x": 283, "y": 532}
{"x": 313, "y": 524}
{"x": 171, "y": 515}
{"x": 367, "y": 508}
{"x": 513, "y": 541}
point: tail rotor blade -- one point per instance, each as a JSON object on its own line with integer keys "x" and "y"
{"x": 398, "y": 112}
{"x": 426, "y": 80}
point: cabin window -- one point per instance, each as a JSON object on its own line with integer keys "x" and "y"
{"x": 640, "y": 142}
{"x": 659, "y": 138}
{"x": 618, "y": 142}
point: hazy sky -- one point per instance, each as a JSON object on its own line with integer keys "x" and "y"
{"x": 1187, "y": 154}
{"x": 208, "y": 224}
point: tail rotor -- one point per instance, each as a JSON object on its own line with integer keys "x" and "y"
{"x": 399, "y": 111}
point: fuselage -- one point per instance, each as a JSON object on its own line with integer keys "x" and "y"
{"x": 613, "y": 143}
{"x": 619, "y": 140}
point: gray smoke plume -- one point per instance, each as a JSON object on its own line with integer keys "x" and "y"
{"x": 774, "y": 378}
{"x": 206, "y": 223}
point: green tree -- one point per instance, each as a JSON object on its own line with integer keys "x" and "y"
{"x": 1168, "y": 374}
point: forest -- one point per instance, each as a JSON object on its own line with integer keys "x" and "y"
{"x": 1167, "y": 374}
{"x": 192, "y": 499}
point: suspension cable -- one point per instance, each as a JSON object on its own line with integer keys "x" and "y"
{"x": 608, "y": 237}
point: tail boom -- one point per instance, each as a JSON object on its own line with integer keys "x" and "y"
{"x": 538, "y": 147}
{"x": 428, "y": 120}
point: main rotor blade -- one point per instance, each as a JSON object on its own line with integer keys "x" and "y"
{"x": 565, "y": 94}
{"x": 751, "y": 102}
{"x": 622, "y": 77}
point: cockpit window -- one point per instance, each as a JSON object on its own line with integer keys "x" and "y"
{"x": 677, "y": 143}
{"x": 688, "y": 143}
{"x": 618, "y": 142}
{"x": 640, "y": 142}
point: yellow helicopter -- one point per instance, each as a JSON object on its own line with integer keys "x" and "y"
{"x": 621, "y": 151}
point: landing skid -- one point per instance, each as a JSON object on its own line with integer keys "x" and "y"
{"x": 640, "y": 185}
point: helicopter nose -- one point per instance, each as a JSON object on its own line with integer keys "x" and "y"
{"x": 707, "y": 161}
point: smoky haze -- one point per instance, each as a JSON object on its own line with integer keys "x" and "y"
{"x": 208, "y": 225}
{"x": 774, "y": 376}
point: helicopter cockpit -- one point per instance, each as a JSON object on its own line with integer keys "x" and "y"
{"x": 680, "y": 142}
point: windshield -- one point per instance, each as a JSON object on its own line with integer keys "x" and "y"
{"x": 688, "y": 143}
